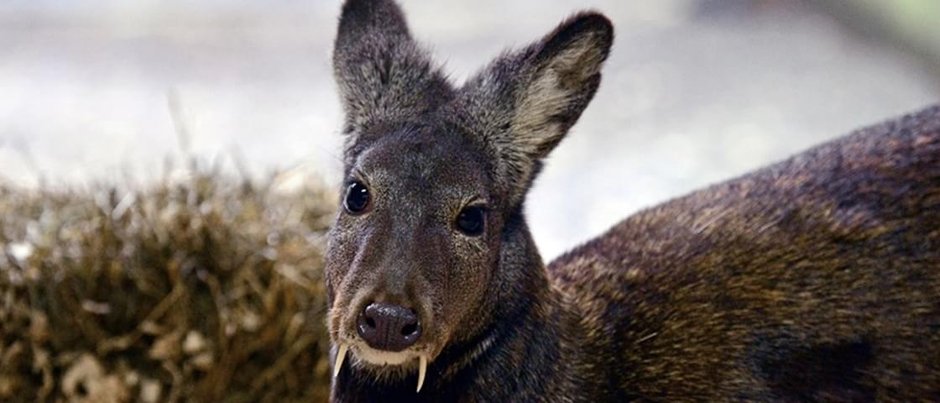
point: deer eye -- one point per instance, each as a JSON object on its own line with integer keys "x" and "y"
{"x": 357, "y": 198}
{"x": 471, "y": 220}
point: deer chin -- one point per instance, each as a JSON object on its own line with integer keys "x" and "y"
{"x": 370, "y": 357}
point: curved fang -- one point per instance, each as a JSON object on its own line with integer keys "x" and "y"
{"x": 340, "y": 357}
{"x": 422, "y": 371}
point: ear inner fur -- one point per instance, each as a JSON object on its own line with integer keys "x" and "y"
{"x": 523, "y": 104}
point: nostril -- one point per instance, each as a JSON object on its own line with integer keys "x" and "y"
{"x": 409, "y": 330}
{"x": 370, "y": 322}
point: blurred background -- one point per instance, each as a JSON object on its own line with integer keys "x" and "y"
{"x": 695, "y": 91}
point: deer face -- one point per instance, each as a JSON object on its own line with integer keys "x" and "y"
{"x": 416, "y": 257}
{"x": 411, "y": 254}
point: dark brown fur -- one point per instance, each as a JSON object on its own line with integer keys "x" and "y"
{"x": 814, "y": 279}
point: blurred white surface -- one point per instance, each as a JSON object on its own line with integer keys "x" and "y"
{"x": 695, "y": 91}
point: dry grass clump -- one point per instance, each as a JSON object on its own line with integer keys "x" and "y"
{"x": 202, "y": 289}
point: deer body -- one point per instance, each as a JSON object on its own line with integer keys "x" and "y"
{"x": 814, "y": 279}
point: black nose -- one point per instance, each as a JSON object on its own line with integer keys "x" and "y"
{"x": 388, "y": 327}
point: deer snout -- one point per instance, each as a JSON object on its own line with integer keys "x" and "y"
{"x": 388, "y": 327}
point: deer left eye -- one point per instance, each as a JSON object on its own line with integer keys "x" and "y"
{"x": 471, "y": 220}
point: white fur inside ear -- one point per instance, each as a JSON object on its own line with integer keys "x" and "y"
{"x": 553, "y": 90}
{"x": 523, "y": 104}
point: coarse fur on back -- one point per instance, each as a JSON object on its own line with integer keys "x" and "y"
{"x": 815, "y": 279}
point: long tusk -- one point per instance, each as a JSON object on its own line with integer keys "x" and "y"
{"x": 340, "y": 357}
{"x": 422, "y": 371}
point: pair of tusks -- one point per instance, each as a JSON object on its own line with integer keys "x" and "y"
{"x": 341, "y": 356}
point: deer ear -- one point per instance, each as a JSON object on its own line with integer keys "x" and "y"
{"x": 523, "y": 104}
{"x": 381, "y": 73}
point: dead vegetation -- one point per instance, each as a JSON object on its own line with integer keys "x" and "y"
{"x": 201, "y": 289}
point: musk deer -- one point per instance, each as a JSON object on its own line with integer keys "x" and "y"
{"x": 815, "y": 279}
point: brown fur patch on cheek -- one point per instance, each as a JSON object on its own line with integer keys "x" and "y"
{"x": 340, "y": 257}
{"x": 335, "y": 321}
{"x": 468, "y": 279}
{"x": 338, "y": 301}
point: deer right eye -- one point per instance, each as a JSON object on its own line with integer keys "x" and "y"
{"x": 357, "y": 198}
{"x": 471, "y": 220}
